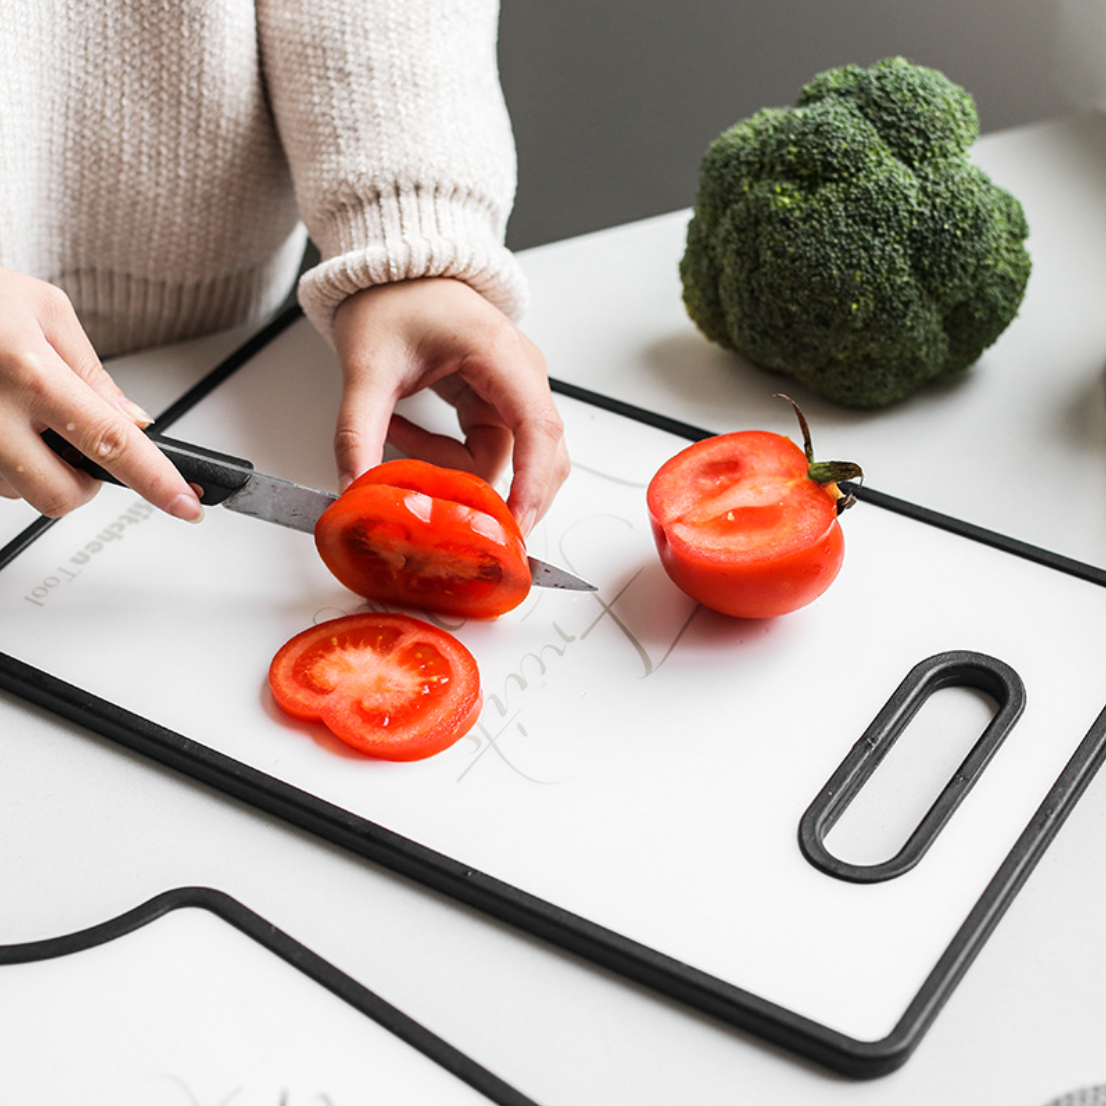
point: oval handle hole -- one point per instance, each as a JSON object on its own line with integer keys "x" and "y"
{"x": 883, "y": 814}
{"x": 884, "y": 806}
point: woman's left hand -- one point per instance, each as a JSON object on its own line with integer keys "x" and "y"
{"x": 394, "y": 340}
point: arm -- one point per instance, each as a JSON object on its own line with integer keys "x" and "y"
{"x": 403, "y": 158}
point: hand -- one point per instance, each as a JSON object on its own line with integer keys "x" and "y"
{"x": 396, "y": 339}
{"x": 51, "y": 378}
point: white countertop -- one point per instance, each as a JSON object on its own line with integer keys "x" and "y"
{"x": 88, "y": 829}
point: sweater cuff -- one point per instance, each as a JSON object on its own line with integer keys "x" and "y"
{"x": 405, "y": 235}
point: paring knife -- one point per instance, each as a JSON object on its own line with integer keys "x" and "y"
{"x": 234, "y": 483}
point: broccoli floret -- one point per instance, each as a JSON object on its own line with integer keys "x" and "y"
{"x": 849, "y": 241}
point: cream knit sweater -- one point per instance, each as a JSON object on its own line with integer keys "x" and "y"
{"x": 159, "y": 158}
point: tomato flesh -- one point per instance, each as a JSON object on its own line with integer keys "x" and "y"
{"x": 388, "y": 685}
{"x": 417, "y": 535}
{"x": 741, "y": 527}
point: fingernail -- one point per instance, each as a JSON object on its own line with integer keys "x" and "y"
{"x": 139, "y": 416}
{"x": 186, "y": 507}
{"x": 526, "y": 523}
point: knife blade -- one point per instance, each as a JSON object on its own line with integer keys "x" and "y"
{"x": 235, "y": 484}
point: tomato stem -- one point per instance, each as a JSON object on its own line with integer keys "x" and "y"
{"x": 827, "y": 473}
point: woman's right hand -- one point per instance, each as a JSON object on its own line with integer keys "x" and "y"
{"x": 51, "y": 378}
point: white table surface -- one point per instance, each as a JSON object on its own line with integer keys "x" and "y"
{"x": 1019, "y": 445}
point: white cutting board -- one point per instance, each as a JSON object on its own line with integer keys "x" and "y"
{"x": 639, "y": 763}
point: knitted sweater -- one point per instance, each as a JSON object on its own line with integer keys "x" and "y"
{"x": 159, "y": 159}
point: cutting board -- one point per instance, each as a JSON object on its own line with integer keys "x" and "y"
{"x": 804, "y": 826}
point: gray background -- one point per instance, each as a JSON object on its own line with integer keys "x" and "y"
{"x": 614, "y": 101}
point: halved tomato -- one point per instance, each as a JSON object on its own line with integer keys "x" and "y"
{"x": 746, "y": 523}
{"x": 388, "y": 685}
{"x": 415, "y": 534}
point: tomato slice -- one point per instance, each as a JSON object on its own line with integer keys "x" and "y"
{"x": 741, "y": 527}
{"x": 388, "y": 685}
{"x": 414, "y": 534}
{"x": 464, "y": 488}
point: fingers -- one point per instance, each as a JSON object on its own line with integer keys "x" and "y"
{"x": 506, "y": 385}
{"x": 521, "y": 425}
{"x": 541, "y": 466}
{"x": 487, "y": 443}
{"x": 50, "y": 378}
{"x": 397, "y": 339}
{"x": 533, "y": 443}
{"x": 102, "y": 433}
{"x": 66, "y": 337}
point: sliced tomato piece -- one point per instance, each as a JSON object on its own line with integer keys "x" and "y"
{"x": 464, "y": 488}
{"x": 414, "y": 534}
{"x": 388, "y": 685}
{"x": 741, "y": 526}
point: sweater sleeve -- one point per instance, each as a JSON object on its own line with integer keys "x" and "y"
{"x": 395, "y": 128}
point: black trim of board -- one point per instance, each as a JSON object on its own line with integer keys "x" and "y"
{"x": 292, "y": 952}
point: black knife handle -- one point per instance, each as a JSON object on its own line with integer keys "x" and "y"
{"x": 218, "y": 475}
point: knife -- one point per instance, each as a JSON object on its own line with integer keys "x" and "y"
{"x": 235, "y": 484}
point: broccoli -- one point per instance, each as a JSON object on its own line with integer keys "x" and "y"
{"x": 849, "y": 242}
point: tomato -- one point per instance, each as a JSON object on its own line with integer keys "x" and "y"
{"x": 414, "y": 534}
{"x": 743, "y": 527}
{"x": 389, "y": 685}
